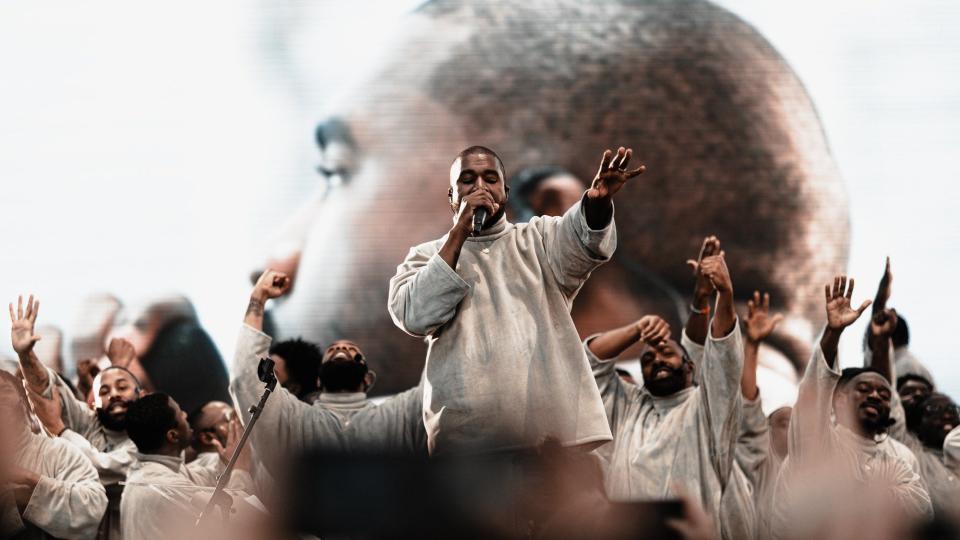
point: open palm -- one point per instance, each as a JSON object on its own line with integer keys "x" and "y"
{"x": 22, "y": 324}
{"x": 840, "y": 314}
{"x": 613, "y": 173}
{"x": 759, "y": 323}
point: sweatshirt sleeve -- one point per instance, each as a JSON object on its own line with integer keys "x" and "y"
{"x": 424, "y": 293}
{"x": 573, "y": 249}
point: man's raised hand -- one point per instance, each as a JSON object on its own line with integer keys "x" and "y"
{"x": 613, "y": 173}
{"x": 839, "y": 312}
{"x": 653, "y": 330}
{"x": 121, "y": 352}
{"x": 703, "y": 288}
{"x": 883, "y": 323}
{"x": 884, "y": 289}
{"x": 272, "y": 284}
{"x": 759, "y": 324}
{"x": 714, "y": 269}
{"x": 22, "y": 324}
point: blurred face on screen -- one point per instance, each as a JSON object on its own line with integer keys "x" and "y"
{"x": 732, "y": 144}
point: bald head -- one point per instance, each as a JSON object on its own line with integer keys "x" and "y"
{"x": 732, "y": 144}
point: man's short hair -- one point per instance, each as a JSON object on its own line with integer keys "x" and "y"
{"x": 136, "y": 381}
{"x": 848, "y": 374}
{"x": 303, "y": 360}
{"x": 904, "y": 379}
{"x": 476, "y": 150}
{"x": 901, "y": 332}
{"x": 148, "y": 419}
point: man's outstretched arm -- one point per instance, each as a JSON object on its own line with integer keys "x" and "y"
{"x": 23, "y": 337}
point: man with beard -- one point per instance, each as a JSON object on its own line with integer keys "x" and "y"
{"x": 344, "y": 379}
{"x": 850, "y": 454}
{"x": 288, "y": 425}
{"x": 48, "y": 489}
{"x": 930, "y": 417}
{"x": 671, "y": 436}
{"x": 162, "y": 492}
{"x": 508, "y": 386}
{"x": 548, "y": 82}
{"x": 99, "y": 434}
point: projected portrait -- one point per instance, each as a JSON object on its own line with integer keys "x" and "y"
{"x": 732, "y": 144}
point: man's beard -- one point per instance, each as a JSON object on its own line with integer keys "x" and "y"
{"x": 110, "y": 421}
{"x": 880, "y": 422}
{"x": 492, "y": 220}
{"x": 342, "y": 375}
{"x": 668, "y": 385}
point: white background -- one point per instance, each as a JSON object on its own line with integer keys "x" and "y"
{"x": 148, "y": 148}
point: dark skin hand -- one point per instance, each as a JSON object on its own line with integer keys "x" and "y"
{"x": 884, "y": 289}
{"x": 715, "y": 270}
{"x": 758, "y": 325}
{"x": 839, "y": 315}
{"x": 272, "y": 284}
{"x": 698, "y": 324}
{"x": 611, "y": 176}
{"x": 882, "y": 325}
{"x": 650, "y": 329}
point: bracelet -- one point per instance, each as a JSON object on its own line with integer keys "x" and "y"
{"x": 704, "y": 311}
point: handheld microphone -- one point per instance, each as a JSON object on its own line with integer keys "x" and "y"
{"x": 479, "y": 216}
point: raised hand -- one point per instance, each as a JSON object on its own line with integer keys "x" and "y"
{"x": 234, "y": 433}
{"x": 759, "y": 324}
{"x": 884, "y": 289}
{"x": 121, "y": 352}
{"x": 714, "y": 269}
{"x": 883, "y": 323}
{"x": 653, "y": 330}
{"x": 22, "y": 324}
{"x": 839, "y": 312}
{"x": 272, "y": 284}
{"x": 613, "y": 173}
{"x": 703, "y": 288}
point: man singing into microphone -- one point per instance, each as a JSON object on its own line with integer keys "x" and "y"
{"x": 505, "y": 369}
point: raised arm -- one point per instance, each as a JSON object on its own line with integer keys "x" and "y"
{"x": 698, "y": 323}
{"x": 585, "y": 236}
{"x": 602, "y": 350}
{"x": 758, "y": 326}
{"x": 721, "y": 369}
{"x": 810, "y": 421}
{"x": 287, "y": 425}
{"x": 22, "y": 335}
{"x": 879, "y": 332}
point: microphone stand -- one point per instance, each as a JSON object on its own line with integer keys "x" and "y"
{"x": 221, "y": 498}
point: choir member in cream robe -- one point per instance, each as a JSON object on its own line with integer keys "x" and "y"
{"x": 164, "y": 497}
{"x": 847, "y": 468}
{"x": 670, "y": 434}
{"x": 100, "y": 433}
{"x": 48, "y": 489}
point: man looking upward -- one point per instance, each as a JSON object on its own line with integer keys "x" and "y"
{"x": 505, "y": 368}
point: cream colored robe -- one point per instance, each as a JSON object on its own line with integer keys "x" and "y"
{"x": 686, "y": 440}
{"x": 807, "y": 493}
{"x": 108, "y": 450}
{"x": 67, "y": 503}
{"x": 505, "y": 367}
{"x": 162, "y": 495}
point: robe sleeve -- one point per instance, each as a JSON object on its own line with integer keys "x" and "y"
{"x": 573, "y": 249}
{"x": 70, "y": 505}
{"x": 753, "y": 443}
{"x": 810, "y": 426}
{"x": 695, "y": 350}
{"x": 951, "y": 450}
{"x": 613, "y": 389}
{"x": 425, "y": 292}
{"x": 394, "y": 426}
{"x": 287, "y": 425}
{"x": 720, "y": 399}
{"x": 116, "y": 461}
{"x": 77, "y": 416}
{"x": 908, "y": 487}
